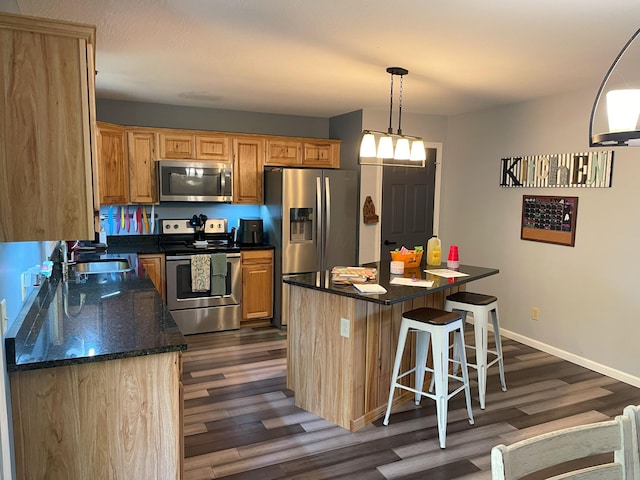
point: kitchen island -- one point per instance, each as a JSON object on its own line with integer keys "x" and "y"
{"x": 342, "y": 343}
{"x": 94, "y": 367}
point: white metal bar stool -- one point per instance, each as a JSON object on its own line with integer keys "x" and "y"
{"x": 432, "y": 325}
{"x": 481, "y": 306}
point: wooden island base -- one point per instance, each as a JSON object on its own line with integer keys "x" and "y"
{"x": 346, "y": 379}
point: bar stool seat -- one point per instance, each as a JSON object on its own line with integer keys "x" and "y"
{"x": 432, "y": 325}
{"x": 481, "y": 307}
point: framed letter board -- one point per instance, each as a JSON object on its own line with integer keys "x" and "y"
{"x": 549, "y": 219}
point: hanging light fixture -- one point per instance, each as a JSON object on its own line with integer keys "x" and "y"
{"x": 618, "y": 122}
{"x": 381, "y": 145}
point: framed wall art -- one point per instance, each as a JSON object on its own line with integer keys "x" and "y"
{"x": 549, "y": 219}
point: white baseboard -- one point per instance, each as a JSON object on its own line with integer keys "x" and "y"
{"x": 570, "y": 357}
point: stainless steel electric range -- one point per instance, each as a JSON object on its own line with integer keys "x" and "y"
{"x": 184, "y": 242}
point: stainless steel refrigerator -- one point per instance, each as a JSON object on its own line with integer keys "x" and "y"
{"x": 311, "y": 217}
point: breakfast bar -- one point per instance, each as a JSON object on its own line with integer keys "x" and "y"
{"x": 342, "y": 342}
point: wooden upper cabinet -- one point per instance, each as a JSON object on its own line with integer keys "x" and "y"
{"x": 112, "y": 165}
{"x": 143, "y": 176}
{"x": 248, "y": 164}
{"x": 175, "y": 145}
{"x": 322, "y": 154}
{"x": 216, "y": 148}
{"x": 47, "y": 114}
{"x": 283, "y": 153}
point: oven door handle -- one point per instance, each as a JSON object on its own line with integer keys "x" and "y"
{"x": 170, "y": 258}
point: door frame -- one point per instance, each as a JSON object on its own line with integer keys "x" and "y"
{"x": 371, "y": 185}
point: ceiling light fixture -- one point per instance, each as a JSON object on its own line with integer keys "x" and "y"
{"x": 381, "y": 145}
{"x": 619, "y": 120}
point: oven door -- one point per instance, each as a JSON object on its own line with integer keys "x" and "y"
{"x": 179, "y": 292}
{"x": 202, "y": 312}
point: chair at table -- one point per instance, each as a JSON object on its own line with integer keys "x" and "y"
{"x": 554, "y": 448}
{"x": 632, "y": 412}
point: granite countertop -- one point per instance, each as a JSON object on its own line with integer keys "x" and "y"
{"x": 395, "y": 293}
{"x": 91, "y": 318}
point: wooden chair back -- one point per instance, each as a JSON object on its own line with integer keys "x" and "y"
{"x": 554, "y": 448}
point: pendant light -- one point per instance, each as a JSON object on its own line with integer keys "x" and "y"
{"x": 617, "y": 124}
{"x": 380, "y": 145}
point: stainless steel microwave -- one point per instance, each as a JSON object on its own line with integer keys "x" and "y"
{"x": 193, "y": 181}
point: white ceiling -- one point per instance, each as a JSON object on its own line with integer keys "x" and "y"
{"x": 328, "y": 57}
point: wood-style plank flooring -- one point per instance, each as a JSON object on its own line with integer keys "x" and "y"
{"x": 241, "y": 421}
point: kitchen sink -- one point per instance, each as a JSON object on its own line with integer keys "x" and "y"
{"x": 110, "y": 265}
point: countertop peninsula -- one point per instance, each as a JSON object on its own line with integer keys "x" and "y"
{"x": 91, "y": 318}
{"x": 342, "y": 342}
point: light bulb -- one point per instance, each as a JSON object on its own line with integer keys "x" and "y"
{"x": 385, "y": 147}
{"x": 623, "y": 108}
{"x": 418, "y": 153}
{"x": 368, "y": 146}
{"x": 402, "y": 149}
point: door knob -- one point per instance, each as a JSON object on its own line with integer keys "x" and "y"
{"x": 387, "y": 242}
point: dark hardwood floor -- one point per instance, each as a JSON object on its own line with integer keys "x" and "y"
{"x": 241, "y": 422}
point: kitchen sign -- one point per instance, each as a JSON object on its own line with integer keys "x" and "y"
{"x": 567, "y": 170}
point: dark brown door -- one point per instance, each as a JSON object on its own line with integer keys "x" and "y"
{"x": 407, "y": 205}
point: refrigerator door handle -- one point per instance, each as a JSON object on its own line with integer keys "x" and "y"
{"x": 327, "y": 206}
{"x": 319, "y": 217}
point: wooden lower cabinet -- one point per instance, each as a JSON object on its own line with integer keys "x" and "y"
{"x": 110, "y": 420}
{"x": 154, "y": 266}
{"x": 257, "y": 285}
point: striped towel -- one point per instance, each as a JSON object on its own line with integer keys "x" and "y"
{"x": 200, "y": 273}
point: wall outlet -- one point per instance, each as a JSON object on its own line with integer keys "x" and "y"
{"x": 4, "y": 320}
{"x": 24, "y": 284}
{"x": 345, "y": 327}
{"x": 534, "y": 313}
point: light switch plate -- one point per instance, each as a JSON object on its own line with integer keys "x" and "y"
{"x": 345, "y": 327}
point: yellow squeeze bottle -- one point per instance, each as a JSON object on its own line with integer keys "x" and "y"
{"x": 434, "y": 251}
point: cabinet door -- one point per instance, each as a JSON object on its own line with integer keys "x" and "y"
{"x": 112, "y": 164}
{"x": 177, "y": 145}
{"x": 154, "y": 266}
{"x": 257, "y": 284}
{"x": 248, "y": 164}
{"x": 46, "y": 113}
{"x": 321, "y": 154}
{"x": 143, "y": 176}
{"x": 213, "y": 148}
{"x": 283, "y": 153}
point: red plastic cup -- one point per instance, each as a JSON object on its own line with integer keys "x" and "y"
{"x": 453, "y": 260}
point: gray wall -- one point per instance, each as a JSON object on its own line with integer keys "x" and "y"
{"x": 348, "y": 129}
{"x": 173, "y": 116}
{"x": 587, "y": 295}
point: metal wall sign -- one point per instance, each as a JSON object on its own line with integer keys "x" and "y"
{"x": 565, "y": 170}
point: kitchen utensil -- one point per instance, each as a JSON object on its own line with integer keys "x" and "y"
{"x": 128, "y": 220}
{"x": 134, "y": 223}
{"x": 145, "y": 219}
{"x": 109, "y": 223}
{"x": 122, "y": 221}
{"x": 139, "y": 220}
{"x": 153, "y": 218}
{"x": 119, "y": 221}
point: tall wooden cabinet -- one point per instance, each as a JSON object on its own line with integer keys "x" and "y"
{"x": 112, "y": 165}
{"x": 127, "y": 165}
{"x": 47, "y": 139}
{"x": 248, "y": 161}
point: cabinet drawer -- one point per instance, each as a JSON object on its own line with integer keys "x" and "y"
{"x": 177, "y": 146}
{"x": 255, "y": 257}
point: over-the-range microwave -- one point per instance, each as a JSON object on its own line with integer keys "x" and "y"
{"x": 193, "y": 181}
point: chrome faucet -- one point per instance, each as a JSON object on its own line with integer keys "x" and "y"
{"x": 67, "y": 259}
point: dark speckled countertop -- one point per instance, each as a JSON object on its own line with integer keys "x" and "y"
{"x": 93, "y": 318}
{"x": 395, "y": 293}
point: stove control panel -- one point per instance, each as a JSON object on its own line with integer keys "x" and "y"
{"x": 175, "y": 227}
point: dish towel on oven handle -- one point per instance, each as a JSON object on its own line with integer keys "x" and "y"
{"x": 200, "y": 276}
{"x": 218, "y": 274}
